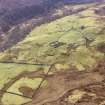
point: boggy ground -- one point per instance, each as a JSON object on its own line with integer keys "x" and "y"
{"x": 93, "y": 94}
{"x": 60, "y": 86}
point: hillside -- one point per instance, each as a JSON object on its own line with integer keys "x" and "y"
{"x": 13, "y": 11}
{"x": 55, "y": 59}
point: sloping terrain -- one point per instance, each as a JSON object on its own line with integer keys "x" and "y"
{"x": 16, "y": 25}
{"x": 13, "y": 11}
{"x": 59, "y": 62}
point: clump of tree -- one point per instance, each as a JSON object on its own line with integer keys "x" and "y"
{"x": 101, "y": 47}
{"x": 14, "y": 16}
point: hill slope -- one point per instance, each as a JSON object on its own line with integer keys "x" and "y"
{"x": 55, "y": 62}
{"x": 52, "y": 42}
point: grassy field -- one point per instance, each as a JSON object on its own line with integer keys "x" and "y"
{"x": 40, "y": 45}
